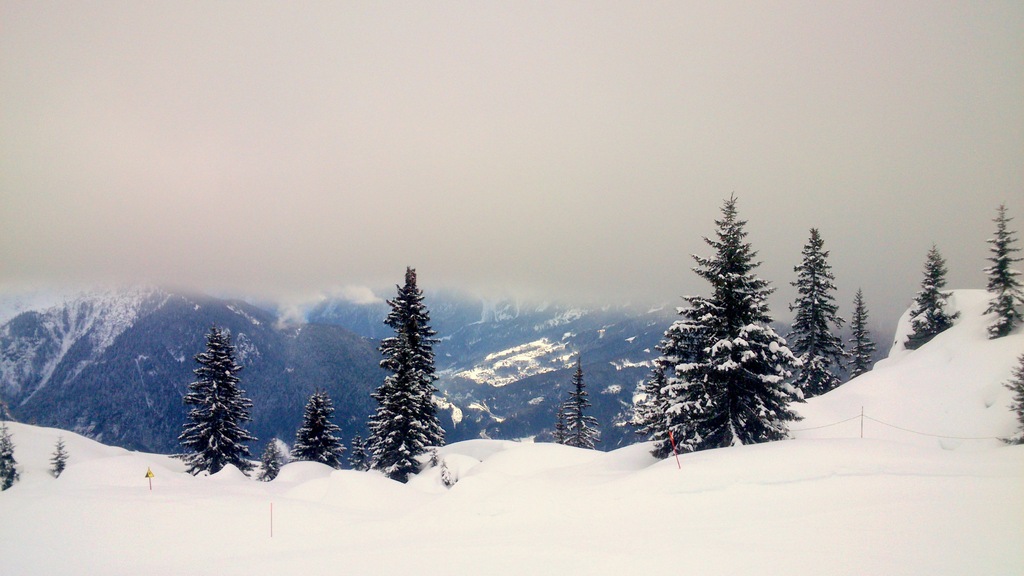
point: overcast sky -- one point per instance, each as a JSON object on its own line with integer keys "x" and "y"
{"x": 565, "y": 149}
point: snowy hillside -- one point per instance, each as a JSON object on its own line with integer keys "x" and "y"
{"x": 949, "y": 393}
{"x": 828, "y": 502}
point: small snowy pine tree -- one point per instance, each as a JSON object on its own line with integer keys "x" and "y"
{"x": 405, "y": 424}
{"x": 316, "y": 440}
{"x": 581, "y": 429}
{"x": 213, "y": 437}
{"x": 446, "y": 476}
{"x": 863, "y": 346}
{"x": 726, "y": 369}
{"x": 8, "y": 465}
{"x": 820, "y": 351}
{"x": 1016, "y": 385}
{"x": 60, "y": 458}
{"x": 1003, "y": 285}
{"x": 357, "y": 457}
{"x": 929, "y": 317}
{"x": 559, "y": 434}
{"x": 270, "y": 462}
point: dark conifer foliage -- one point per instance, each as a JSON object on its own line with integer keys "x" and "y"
{"x": 650, "y": 415}
{"x": 1016, "y": 385}
{"x": 405, "y": 424}
{"x": 1003, "y": 285}
{"x": 317, "y": 440}
{"x": 59, "y": 461}
{"x": 862, "y": 346}
{"x": 929, "y": 317}
{"x": 8, "y": 465}
{"x": 213, "y": 436}
{"x": 726, "y": 369}
{"x": 270, "y": 462}
{"x": 581, "y": 429}
{"x": 559, "y": 434}
{"x": 358, "y": 459}
{"x": 811, "y": 339}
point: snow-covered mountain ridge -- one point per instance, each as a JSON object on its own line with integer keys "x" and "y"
{"x": 32, "y": 347}
{"x": 114, "y": 365}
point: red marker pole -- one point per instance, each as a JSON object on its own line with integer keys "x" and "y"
{"x": 674, "y": 451}
{"x": 271, "y": 519}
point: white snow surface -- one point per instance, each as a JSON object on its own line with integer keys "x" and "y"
{"x": 827, "y": 502}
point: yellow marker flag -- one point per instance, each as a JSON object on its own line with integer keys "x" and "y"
{"x": 149, "y": 473}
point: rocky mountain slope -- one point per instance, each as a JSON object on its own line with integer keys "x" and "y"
{"x": 114, "y": 366}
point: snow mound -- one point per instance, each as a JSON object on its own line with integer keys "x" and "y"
{"x": 948, "y": 393}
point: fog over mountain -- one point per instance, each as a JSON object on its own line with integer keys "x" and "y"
{"x": 560, "y": 151}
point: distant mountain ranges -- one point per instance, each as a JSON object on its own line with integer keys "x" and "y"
{"x": 114, "y": 365}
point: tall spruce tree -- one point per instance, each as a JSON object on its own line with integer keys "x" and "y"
{"x": 929, "y": 317}
{"x": 1016, "y": 385}
{"x": 59, "y": 460}
{"x": 581, "y": 429}
{"x": 213, "y": 436}
{"x": 270, "y": 462}
{"x": 863, "y": 347}
{"x": 8, "y": 465}
{"x": 317, "y": 440}
{"x": 1007, "y": 297}
{"x": 405, "y": 424}
{"x": 726, "y": 369}
{"x": 811, "y": 339}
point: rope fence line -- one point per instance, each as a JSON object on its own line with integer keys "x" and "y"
{"x": 932, "y": 435}
{"x": 857, "y": 417}
{"x": 862, "y": 416}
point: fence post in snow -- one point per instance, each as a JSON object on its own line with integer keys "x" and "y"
{"x": 674, "y": 451}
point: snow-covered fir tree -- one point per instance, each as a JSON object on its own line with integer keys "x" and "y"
{"x": 358, "y": 459}
{"x": 811, "y": 339}
{"x": 581, "y": 430}
{"x": 270, "y": 462}
{"x": 405, "y": 424}
{"x": 317, "y": 439}
{"x": 213, "y": 436}
{"x": 726, "y": 369}
{"x": 660, "y": 408}
{"x": 446, "y": 476}
{"x": 929, "y": 317}
{"x": 650, "y": 416}
{"x": 862, "y": 347}
{"x": 8, "y": 465}
{"x": 59, "y": 461}
{"x": 1016, "y": 385}
{"x": 1003, "y": 285}
{"x": 559, "y": 433}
